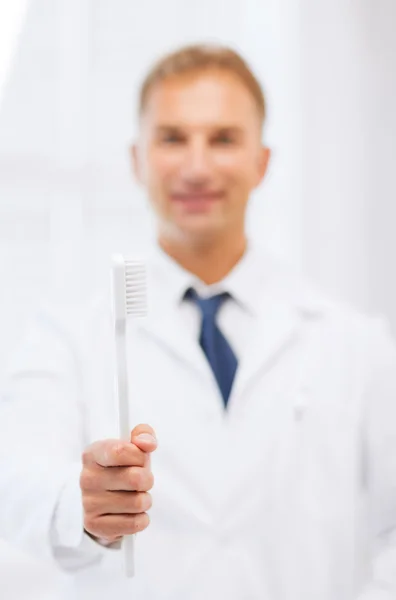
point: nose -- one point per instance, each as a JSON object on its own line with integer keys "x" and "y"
{"x": 196, "y": 167}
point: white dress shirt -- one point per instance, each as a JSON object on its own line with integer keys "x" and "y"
{"x": 236, "y": 316}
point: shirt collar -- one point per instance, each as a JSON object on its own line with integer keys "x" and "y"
{"x": 243, "y": 283}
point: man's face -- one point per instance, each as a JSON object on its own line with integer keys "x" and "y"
{"x": 200, "y": 154}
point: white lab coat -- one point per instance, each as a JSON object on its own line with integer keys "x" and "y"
{"x": 290, "y": 495}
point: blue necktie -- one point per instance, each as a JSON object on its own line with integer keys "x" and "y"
{"x": 215, "y": 346}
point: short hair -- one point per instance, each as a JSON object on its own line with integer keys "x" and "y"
{"x": 198, "y": 58}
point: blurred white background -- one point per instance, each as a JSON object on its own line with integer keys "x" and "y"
{"x": 67, "y": 117}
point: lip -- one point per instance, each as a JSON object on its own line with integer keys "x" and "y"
{"x": 196, "y": 202}
{"x": 196, "y": 196}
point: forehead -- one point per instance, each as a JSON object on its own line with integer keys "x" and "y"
{"x": 213, "y": 98}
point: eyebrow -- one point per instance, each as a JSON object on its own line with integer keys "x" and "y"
{"x": 231, "y": 129}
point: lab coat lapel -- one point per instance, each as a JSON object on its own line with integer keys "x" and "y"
{"x": 168, "y": 331}
{"x": 277, "y": 327}
{"x": 274, "y": 332}
{"x": 283, "y": 311}
{"x": 164, "y": 322}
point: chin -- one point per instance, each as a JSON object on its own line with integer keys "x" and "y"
{"x": 200, "y": 224}
{"x": 200, "y": 236}
{"x": 197, "y": 229}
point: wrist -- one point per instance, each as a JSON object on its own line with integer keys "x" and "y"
{"x": 103, "y": 541}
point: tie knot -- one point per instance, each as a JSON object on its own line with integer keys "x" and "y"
{"x": 209, "y": 307}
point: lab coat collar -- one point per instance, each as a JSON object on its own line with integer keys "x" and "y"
{"x": 258, "y": 276}
{"x": 287, "y": 306}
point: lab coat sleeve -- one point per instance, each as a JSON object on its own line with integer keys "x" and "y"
{"x": 380, "y": 458}
{"x": 41, "y": 441}
{"x": 72, "y": 547}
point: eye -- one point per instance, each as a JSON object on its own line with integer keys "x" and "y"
{"x": 172, "y": 138}
{"x": 224, "y": 138}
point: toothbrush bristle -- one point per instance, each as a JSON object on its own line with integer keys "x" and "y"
{"x": 135, "y": 288}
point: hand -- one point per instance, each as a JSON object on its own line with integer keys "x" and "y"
{"x": 115, "y": 480}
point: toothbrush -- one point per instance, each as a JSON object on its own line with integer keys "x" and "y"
{"x": 129, "y": 301}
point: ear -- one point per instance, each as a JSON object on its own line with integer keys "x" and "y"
{"x": 262, "y": 164}
{"x": 135, "y": 161}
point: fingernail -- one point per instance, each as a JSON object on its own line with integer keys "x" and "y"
{"x": 146, "y": 437}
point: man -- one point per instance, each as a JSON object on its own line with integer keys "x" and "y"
{"x": 275, "y": 472}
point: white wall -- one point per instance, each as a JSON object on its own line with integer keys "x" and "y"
{"x": 336, "y": 101}
{"x": 65, "y": 126}
{"x": 67, "y": 118}
{"x": 381, "y": 141}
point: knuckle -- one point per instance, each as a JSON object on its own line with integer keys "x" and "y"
{"x": 139, "y": 457}
{"x": 137, "y": 479}
{"x": 142, "y": 521}
{"x": 133, "y": 524}
{"x": 149, "y": 481}
{"x": 85, "y": 480}
{"x": 90, "y": 480}
{"x": 88, "y": 504}
{"x": 92, "y": 504}
{"x": 89, "y": 523}
{"x": 118, "y": 450}
{"x": 86, "y": 456}
{"x": 141, "y": 502}
{"x": 146, "y": 480}
{"x": 141, "y": 479}
{"x": 148, "y": 502}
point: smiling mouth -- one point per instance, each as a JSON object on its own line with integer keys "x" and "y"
{"x": 197, "y": 202}
{"x": 196, "y": 197}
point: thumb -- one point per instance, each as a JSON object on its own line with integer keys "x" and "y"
{"x": 143, "y": 436}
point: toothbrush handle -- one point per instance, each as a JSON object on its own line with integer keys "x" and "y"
{"x": 123, "y": 415}
{"x": 129, "y": 555}
{"x": 122, "y": 380}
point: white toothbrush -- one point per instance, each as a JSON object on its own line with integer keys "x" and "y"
{"x": 129, "y": 301}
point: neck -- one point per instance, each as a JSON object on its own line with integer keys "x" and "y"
{"x": 210, "y": 261}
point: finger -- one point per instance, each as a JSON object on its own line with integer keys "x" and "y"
{"x": 108, "y": 526}
{"x": 144, "y": 437}
{"x": 131, "y": 479}
{"x": 128, "y": 479}
{"x": 117, "y": 502}
{"x": 114, "y": 453}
